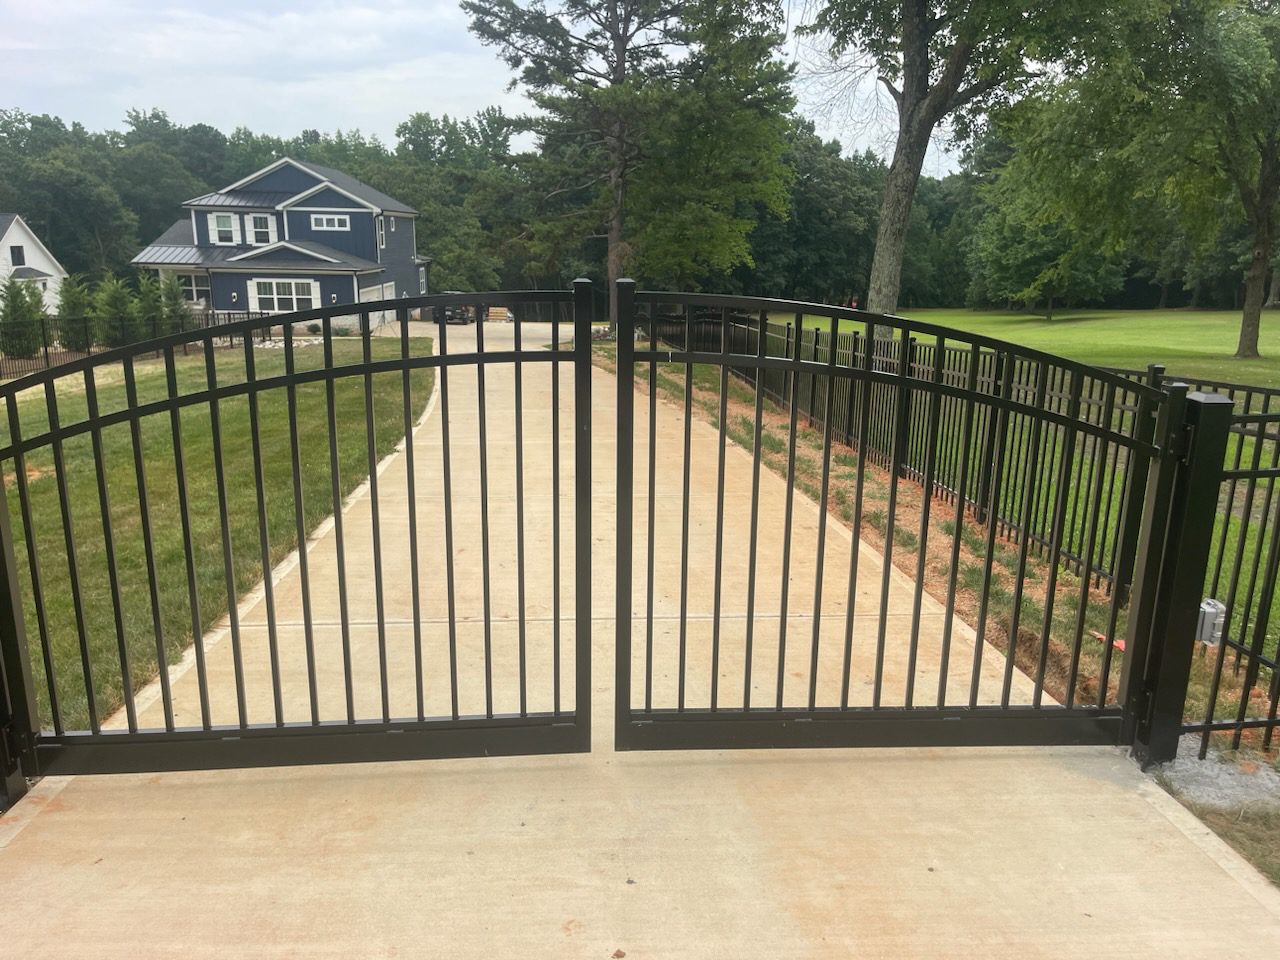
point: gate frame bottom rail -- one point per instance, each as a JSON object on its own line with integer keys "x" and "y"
{"x": 328, "y": 742}
{"x": 916, "y": 727}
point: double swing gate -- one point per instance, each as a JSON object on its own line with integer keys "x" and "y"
{"x": 349, "y": 533}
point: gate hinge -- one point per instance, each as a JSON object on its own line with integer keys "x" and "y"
{"x": 1180, "y": 442}
{"x": 17, "y": 745}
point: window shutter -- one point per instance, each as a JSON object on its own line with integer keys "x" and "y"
{"x": 271, "y": 229}
{"x": 212, "y": 220}
{"x": 236, "y": 237}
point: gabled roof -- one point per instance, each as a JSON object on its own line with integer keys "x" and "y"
{"x": 344, "y": 181}
{"x": 7, "y": 220}
{"x": 362, "y": 190}
{"x": 306, "y": 249}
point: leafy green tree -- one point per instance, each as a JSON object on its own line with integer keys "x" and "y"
{"x": 606, "y": 76}
{"x": 21, "y": 313}
{"x": 1183, "y": 104}
{"x": 941, "y": 60}
{"x": 75, "y": 315}
{"x": 115, "y": 313}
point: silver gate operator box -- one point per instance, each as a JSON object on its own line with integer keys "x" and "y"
{"x": 1210, "y": 623}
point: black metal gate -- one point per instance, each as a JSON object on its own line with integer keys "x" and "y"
{"x": 996, "y": 497}
{"x": 156, "y": 483}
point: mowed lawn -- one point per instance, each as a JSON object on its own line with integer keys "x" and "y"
{"x": 175, "y": 621}
{"x": 1192, "y": 343}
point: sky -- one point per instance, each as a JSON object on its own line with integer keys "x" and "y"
{"x": 282, "y": 66}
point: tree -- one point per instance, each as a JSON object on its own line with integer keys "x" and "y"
{"x": 115, "y": 313}
{"x": 603, "y": 74}
{"x": 75, "y": 320}
{"x": 148, "y": 309}
{"x": 939, "y": 60}
{"x": 1179, "y": 107}
{"x": 175, "y": 311}
{"x": 21, "y": 313}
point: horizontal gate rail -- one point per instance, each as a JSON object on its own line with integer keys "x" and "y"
{"x": 1039, "y": 469}
{"x": 153, "y": 485}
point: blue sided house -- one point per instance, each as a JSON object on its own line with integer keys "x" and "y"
{"x": 292, "y": 236}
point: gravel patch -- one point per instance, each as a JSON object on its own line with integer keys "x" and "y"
{"x": 1220, "y": 781}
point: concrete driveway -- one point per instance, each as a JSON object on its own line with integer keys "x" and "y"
{"x": 851, "y": 853}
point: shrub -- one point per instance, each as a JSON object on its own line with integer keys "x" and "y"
{"x": 175, "y": 311}
{"x": 115, "y": 312}
{"x": 342, "y": 331}
{"x": 75, "y": 308}
{"x": 149, "y": 309}
{"x": 21, "y": 314}
{"x": 314, "y": 329}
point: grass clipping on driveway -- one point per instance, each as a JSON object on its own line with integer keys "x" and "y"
{"x": 202, "y": 498}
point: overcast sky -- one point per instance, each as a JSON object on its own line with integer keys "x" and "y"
{"x": 275, "y": 66}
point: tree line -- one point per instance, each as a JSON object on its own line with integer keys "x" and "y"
{"x": 1123, "y": 153}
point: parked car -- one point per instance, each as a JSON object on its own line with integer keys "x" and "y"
{"x": 459, "y": 312}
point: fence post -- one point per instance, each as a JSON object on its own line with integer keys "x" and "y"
{"x": 624, "y": 520}
{"x": 18, "y": 722}
{"x": 1178, "y": 523}
{"x": 583, "y": 313}
{"x": 44, "y": 336}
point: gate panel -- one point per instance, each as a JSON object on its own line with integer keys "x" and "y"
{"x": 437, "y": 476}
{"x": 996, "y": 492}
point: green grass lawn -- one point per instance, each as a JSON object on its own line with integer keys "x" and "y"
{"x": 206, "y": 518}
{"x": 1190, "y": 343}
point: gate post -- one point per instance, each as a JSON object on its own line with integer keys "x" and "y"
{"x": 1173, "y": 557}
{"x": 583, "y": 314}
{"x": 18, "y": 723}
{"x": 625, "y": 490}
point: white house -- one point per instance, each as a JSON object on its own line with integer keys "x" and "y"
{"x": 22, "y": 255}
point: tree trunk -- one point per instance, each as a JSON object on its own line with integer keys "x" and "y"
{"x": 1274, "y": 299}
{"x": 1260, "y": 205}
{"x": 895, "y": 216}
{"x": 1164, "y": 295}
{"x": 614, "y": 255}
{"x": 1048, "y": 307}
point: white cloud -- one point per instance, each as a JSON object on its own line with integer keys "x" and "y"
{"x": 275, "y": 68}
{"x": 281, "y": 66}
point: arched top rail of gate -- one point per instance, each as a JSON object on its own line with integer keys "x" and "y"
{"x": 777, "y": 334}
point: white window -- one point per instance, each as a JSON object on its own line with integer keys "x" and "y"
{"x": 382, "y": 233}
{"x": 329, "y": 221}
{"x": 281, "y": 296}
{"x": 262, "y": 229}
{"x": 393, "y": 224}
{"x": 195, "y": 286}
{"x": 422, "y": 279}
{"x": 224, "y": 229}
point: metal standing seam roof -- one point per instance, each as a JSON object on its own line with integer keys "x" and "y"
{"x": 263, "y": 200}
{"x": 175, "y": 248}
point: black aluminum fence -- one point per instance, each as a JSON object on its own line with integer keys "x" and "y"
{"x": 1022, "y": 500}
{"x": 149, "y": 497}
{"x": 31, "y": 346}
{"x": 1016, "y": 439}
{"x": 1235, "y": 682}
